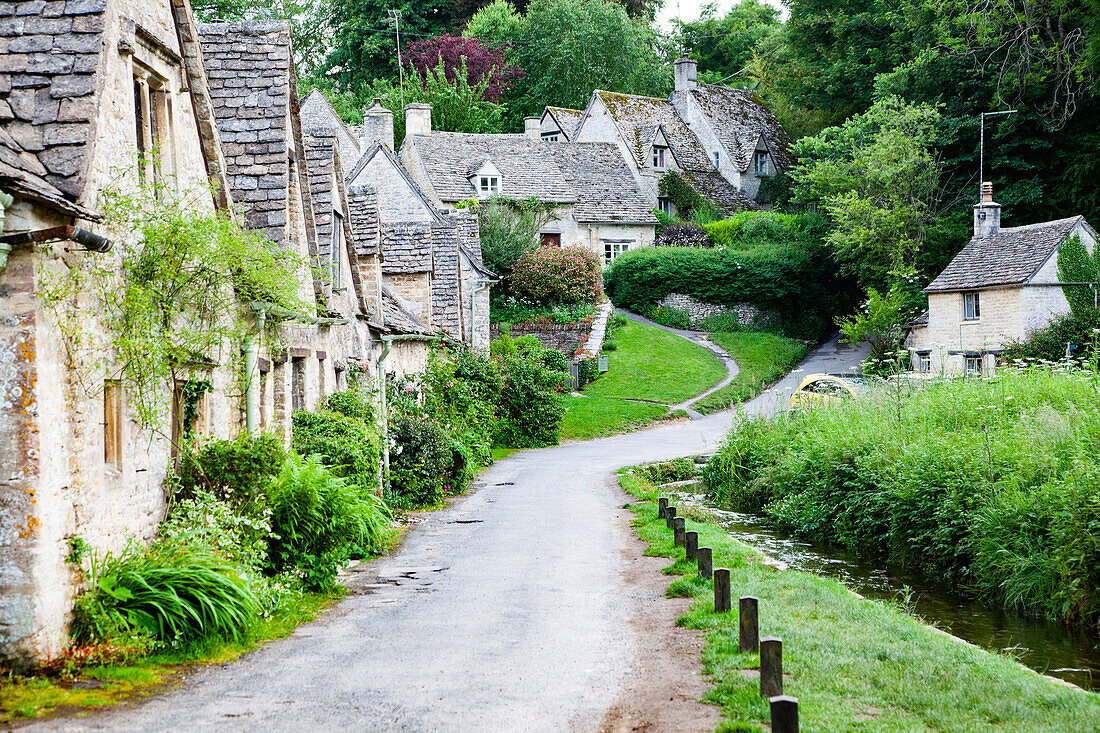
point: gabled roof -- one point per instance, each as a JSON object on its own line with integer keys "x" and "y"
{"x": 375, "y": 149}
{"x": 317, "y": 111}
{"x": 604, "y": 187}
{"x": 397, "y": 319}
{"x": 248, "y": 66}
{"x": 527, "y": 167}
{"x": 739, "y": 118}
{"x": 638, "y": 119}
{"x": 566, "y": 119}
{"x": 715, "y": 188}
{"x": 363, "y": 217}
{"x": 1009, "y": 257}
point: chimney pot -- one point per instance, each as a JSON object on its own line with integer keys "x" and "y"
{"x": 987, "y": 213}
{"x": 684, "y": 73}
{"x": 418, "y": 119}
{"x": 987, "y": 192}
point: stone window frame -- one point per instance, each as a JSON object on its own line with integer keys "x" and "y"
{"x": 338, "y": 244}
{"x": 157, "y": 73}
{"x": 971, "y": 306}
{"x": 660, "y": 157}
{"x": 664, "y": 204}
{"x": 923, "y": 361}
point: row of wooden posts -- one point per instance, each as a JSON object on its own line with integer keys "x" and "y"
{"x": 784, "y": 708}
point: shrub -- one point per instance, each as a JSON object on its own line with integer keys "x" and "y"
{"x": 552, "y": 275}
{"x": 1049, "y": 343}
{"x": 345, "y": 444}
{"x": 671, "y": 317}
{"x": 426, "y": 463}
{"x": 531, "y": 408}
{"x": 172, "y": 592}
{"x": 508, "y": 229}
{"x": 353, "y": 403}
{"x": 683, "y": 235}
{"x": 238, "y": 471}
{"x": 236, "y": 534}
{"x": 726, "y": 322}
{"x": 319, "y": 520}
{"x": 685, "y": 198}
{"x": 678, "y": 469}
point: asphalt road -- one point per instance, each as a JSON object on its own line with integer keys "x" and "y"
{"x": 506, "y": 612}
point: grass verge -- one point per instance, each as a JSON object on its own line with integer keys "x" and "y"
{"x": 762, "y": 358}
{"x": 597, "y": 417}
{"x": 853, "y": 664}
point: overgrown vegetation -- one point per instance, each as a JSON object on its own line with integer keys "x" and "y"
{"x": 761, "y": 358}
{"x": 990, "y": 483}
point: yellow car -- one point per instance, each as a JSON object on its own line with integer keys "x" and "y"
{"x": 823, "y": 390}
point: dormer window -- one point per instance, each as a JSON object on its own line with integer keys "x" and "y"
{"x": 660, "y": 157}
{"x": 760, "y": 163}
{"x": 716, "y": 159}
{"x": 551, "y": 137}
{"x": 488, "y": 185}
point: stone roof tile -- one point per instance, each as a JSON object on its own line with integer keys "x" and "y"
{"x": 567, "y": 119}
{"x": 738, "y": 118}
{"x": 406, "y": 247}
{"x": 638, "y": 117}
{"x": 603, "y": 185}
{"x": 715, "y": 188}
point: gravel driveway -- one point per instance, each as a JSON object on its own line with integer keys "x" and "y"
{"x": 506, "y": 612}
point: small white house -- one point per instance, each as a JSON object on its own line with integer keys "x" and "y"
{"x": 1000, "y": 287}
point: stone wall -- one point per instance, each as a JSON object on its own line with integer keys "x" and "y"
{"x": 555, "y": 336}
{"x": 746, "y": 313}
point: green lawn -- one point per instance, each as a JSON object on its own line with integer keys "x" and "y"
{"x": 854, "y": 664}
{"x": 650, "y": 370}
{"x": 656, "y": 366}
{"x": 762, "y": 358}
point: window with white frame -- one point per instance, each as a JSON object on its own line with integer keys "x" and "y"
{"x": 660, "y": 156}
{"x": 337, "y": 253}
{"x": 664, "y": 203}
{"x": 716, "y": 159}
{"x": 973, "y": 364}
{"x": 922, "y": 361}
{"x": 488, "y": 185}
{"x": 972, "y": 310}
{"x": 612, "y": 248}
{"x": 760, "y": 163}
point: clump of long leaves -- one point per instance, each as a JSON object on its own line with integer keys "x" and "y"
{"x": 168, "y": 591}
{"x": 318, "y": 520}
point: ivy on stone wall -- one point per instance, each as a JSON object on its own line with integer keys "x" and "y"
{"x": 685, "y": 198}
{"x": 1076, "y": 265}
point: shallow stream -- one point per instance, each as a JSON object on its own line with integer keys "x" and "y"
{"x": 1045, "y": 646}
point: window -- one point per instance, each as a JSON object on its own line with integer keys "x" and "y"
{"x": 664, "y": 203}
{"x": 716, "y": 159}
{"x": 152, "y": 117}
{"x": 760, "y": 163}
{"x": 489, "y": 185}
{"x": 612, "y": 248}
{"x": 972, "y": 310}
{"x": 550, "y": 137}
{"x": 190, "y": 416}
{"x": 337, "y": 249}
{"x": 922, "y": 361}
{"x": 112, "y": 424}
{"x": 298, "y": 383}
{"x": 973, "y": 364}
{"x": 659, "y": 156}
{"x": 551, "y": 239}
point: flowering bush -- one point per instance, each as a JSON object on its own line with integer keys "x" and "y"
{"x": 558, "y": 275}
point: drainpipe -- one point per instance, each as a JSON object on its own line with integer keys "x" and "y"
{"x": 251, "y": 370}
{"x": 6, "y": 200}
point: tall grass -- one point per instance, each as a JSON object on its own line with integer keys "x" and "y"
{"x": 993, "y": 484}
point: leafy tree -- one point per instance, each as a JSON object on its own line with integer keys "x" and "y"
{"x": 479, "y": 63}
{"x": 365, "y": 45}
{"x": 310, "y": 21}
{"x": 509, "y": 228}
{"x": 497, "y": 23}
{"x": 725, "y": 46}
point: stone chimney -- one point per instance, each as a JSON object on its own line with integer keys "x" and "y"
{"x": 532, "y": 127}
{"x": 684, "y": 74}
{"x": 987, "y": 213}
{"x": 377, "y": 125}
{"x": 418, "y": 119}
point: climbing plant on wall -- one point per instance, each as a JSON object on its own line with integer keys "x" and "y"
{"x": 171, "y": 299}
{"x": 1076, "y": 265}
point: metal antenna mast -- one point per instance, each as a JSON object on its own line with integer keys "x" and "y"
{"x": 395, "y": 16}
{"x": 981, "y": 144}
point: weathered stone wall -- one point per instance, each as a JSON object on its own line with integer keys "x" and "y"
{"x": 746, "y": 313}
{"x": 556, "y": 336}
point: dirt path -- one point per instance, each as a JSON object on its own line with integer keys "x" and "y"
{"x": 526, "y": 606}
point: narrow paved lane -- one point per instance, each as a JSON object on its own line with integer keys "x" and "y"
{"x": 505, "y": 612}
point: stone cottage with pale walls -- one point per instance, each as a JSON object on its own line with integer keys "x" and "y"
{"x": 723, "y": 142}
{"x": 597, "y": 204}
{"x": 1003, "y": 285}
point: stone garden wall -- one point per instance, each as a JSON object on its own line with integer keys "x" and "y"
{"x": 746, "y": 312}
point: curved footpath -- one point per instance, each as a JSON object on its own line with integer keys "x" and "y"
{"x": 509, "y": 611}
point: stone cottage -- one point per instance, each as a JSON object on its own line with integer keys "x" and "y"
{"x": 557, "y": 124}
{"x": 722, "y": 141}
{"x": 597, "y": 204}
{"x": 1001, "y": 286}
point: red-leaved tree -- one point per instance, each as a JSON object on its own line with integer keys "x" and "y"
{"x": 482, "y": 64}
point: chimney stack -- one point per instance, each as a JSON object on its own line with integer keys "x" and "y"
{"x": 532, "y": 127}
{"x": 377, "y": 125}
{"x": 987, "y": 213}
{"x": 418, "y": 119}
{"x": 685, "y": 73}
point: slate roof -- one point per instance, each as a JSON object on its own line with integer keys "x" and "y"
{"x": 527, "y": 167}
{"x": 1009, "y": 257}
{"x": 638, "y": 119}
{"x": 713, "y": 186}
{"x": 406, "y": 248}
{"x": 316, "y": 111}
{"x": 920, "y": 321}
{"x": 48, "y": 101}
{"x": 363, "y": 216}
{"x": 445, "y": 290}
{"x": 738, "y": 118}
{"x": 605, "y": 189}
{"x": 566, "y": 119}
{"x": 248, "y": 68}
{"x": 321, "y": 166}
{"x": 397, "y": 319}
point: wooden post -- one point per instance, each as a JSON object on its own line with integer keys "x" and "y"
{"x": 771, "y": 667}
{"x": 670, "y": 515}
{"x": 784, "y": 710}
{"x": 662, "y": 507}
{"x": 706, "y": 567}
{"x": 722, "y": 602}
{"x": 750, "y": 630}
{"x": 678, "y": 531}
{"x": 691, "y": 542}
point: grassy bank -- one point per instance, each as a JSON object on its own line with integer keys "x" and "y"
{"x": 854, "y": 664}
{"x": 650, "y": 369}
{"x": 762, "y": 358}
{"x": 991, "y": 484}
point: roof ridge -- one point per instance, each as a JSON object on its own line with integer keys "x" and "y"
{"x": 1037, "y": 224}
